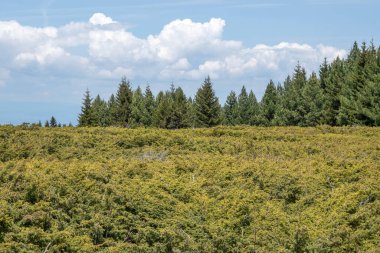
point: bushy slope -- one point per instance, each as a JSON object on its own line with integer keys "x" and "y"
{"x": 237, "y": 189}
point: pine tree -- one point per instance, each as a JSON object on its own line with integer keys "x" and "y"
{"x": 149, "y": 106}
{"x": 179, "y": 110}
{"x": 269, "y": 104}
{"x": 253, "y": 110}
{"x": 207, "y": 107}
{"x": 137, "y": 108}
{"x": 99, "y": 112}
{"x": 324, "y": 70}
{"x": 312, "y": 100}
{"x": 163, "y": 110}
{"x": 231, "y": 110}
{"x": 85, "y": 117}
{"x": 111, "y": 118}
{"x": 332, "y": 94}
{"x": 53, "y": 122}
{"x": 47, "y": 123}
{"x": 123, "y": 103}
{"x": 243, "y": 105}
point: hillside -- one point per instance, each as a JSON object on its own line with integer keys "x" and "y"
{"x": 224, "y": 189}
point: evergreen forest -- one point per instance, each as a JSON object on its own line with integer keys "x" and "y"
{"x": 344, "y": 92}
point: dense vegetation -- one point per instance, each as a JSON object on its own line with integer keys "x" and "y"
{"x": 346, "y": 92}
{"x": 221, "y": 189}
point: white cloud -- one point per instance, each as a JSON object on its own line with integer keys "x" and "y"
{"x": 100, "y": 19}
{"x": 182, "y": 50}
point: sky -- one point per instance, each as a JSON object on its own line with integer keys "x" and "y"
{"x": 52, "y": 51}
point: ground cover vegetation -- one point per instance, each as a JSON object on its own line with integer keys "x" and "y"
{"x": 221, "y": 189}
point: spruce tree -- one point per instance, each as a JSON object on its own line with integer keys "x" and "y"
{"x": 111, "y": 118}
{"x": 163, "y": 110}
{"x": 312, "y": 102}
{"x": 123, "y": 103}
{"x": 99, "y": 112}
{"x": 179, "y": 110}
{"x": 207, "y": 107}
{"x": 254, "y": 109}
{"x": 269, "y": 104}
{"x": 53, "y": 122}
{"x": 332, "y": 94}
{"x": 149, "y": 106}
{"x": 231, "y": 110}
{"x": 137, "y": 108}
{"x": 243, "y": 105}
{"x": 85, "y": 117}
{"x": 47, "y": 123}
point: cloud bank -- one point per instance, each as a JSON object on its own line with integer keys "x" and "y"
{"x": 183, "y": 50}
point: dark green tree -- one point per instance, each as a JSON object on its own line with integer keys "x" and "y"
{"x": 53, "y": 122}
{"x": 243, "y": 105}
{"x": 179, "y": 110}
{"x": 137, "y": 108}
{"x": 99, "y": 112}
{"x": 163, "y": 110}
{"x": 112, "y": 111}
{"x": 149, "y": 106}
{"x": 269, "y": 104}
{"x": 333, "y": 91}
{"x": 312, "y": 102}
{"x": 207, "y": 107}
{"x": 85, "y": 117}
{"x": 123, "y": 102}
{"x": 254, "y": 109}
{"x": 231, "y": 110}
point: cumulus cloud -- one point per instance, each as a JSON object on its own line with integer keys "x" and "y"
{"x": 101, "y": 19}
{"x": 182, "y": 50}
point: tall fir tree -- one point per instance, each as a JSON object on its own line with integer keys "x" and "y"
{"x": 123, "y": 102}
{"x": 254, "y": 109}
{"x": 99, "y": 112}
{"x": 179, "y": 110}
{"x": 312, "y": 102}
{"x": 85, "y": 117}
{"x": 231, "y": 110}
{"x": 112, "y": 111}
{"x": 332, "y": 94}
{"x": 137, "y": 108}
{"x": 207, "y": 107}
{"x": 269, "y": 104}
{"x": 149, "y": 106}
{"x": 163, "y": 110}
{"x": 243, "y": 105}
{"x": 53, "y": 122}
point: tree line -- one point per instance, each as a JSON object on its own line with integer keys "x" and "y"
{"x": 344, "y": 92}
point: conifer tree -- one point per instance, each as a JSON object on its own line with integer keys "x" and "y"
{"x": 254, "y": 109}
{"x": 47, "y": 123}
{"x": 207, "y": 107}
{"x": 243, "y": 105}
{"x": 269, "y": 104}
{"x": 231, "y": 110}
{"x": 85, "y": 117}
{"x": 53, "y": 122}
{"x": 332, "y": 94}
{"x": 312, "y": 102}
{"x": 149, "y": 106}
{"x": 112, "y": 111}
{"x": 99, "y": 112}
{"x": 179, "y": 110}
{"x": 163, "y": 110}
{"x": 137, "y": 108}
{"x": 123, "y": 103}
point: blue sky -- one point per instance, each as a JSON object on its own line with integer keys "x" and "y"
{"x": 51, "y": 51}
